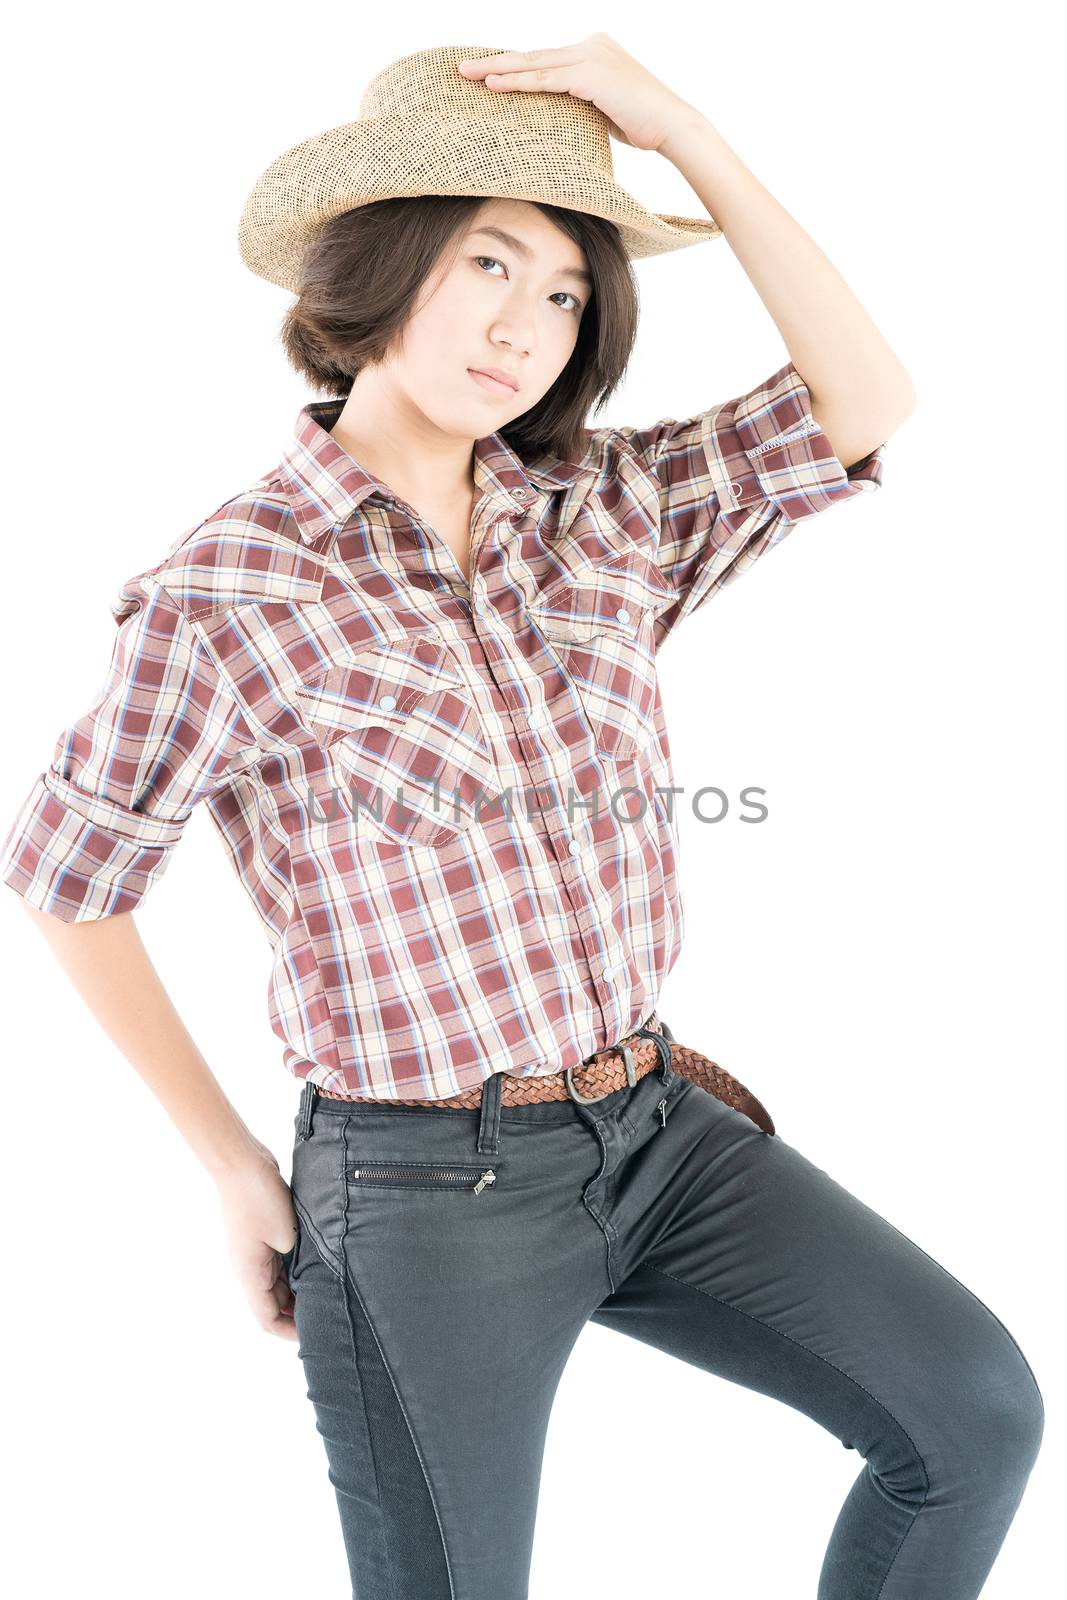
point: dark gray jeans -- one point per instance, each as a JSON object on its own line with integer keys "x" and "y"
{"x": 447, "y": 1260}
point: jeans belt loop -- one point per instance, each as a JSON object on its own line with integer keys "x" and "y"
{"x": 307, "y": 1107}
{"x": 663, "y": 1040}
{"x": 489, "y": 1116}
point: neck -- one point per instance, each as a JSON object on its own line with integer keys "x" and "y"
{"x": 405, "y": 450}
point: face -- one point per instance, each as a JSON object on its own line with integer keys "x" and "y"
{"x": 514, "y": 304}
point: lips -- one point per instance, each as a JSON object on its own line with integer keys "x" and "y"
{"x": 493, "y": 385}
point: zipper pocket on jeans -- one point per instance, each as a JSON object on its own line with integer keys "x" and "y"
{"x": 413, "y": 1174}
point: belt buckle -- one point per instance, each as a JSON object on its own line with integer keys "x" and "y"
{"x": 621, "y": 1049}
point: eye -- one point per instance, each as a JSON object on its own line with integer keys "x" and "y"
{"x": 577, "y": 303}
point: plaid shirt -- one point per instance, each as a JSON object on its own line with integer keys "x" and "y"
{"x": 448, "y": 803}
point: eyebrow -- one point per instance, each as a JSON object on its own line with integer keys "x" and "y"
{"x": 522, "y": 249}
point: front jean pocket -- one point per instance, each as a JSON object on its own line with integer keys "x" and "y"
{"x": 292, "y": 1255}
{"x": 600, "y": 627}
{"x": 397, "y": 725}
{"x": 287, "y": 1264}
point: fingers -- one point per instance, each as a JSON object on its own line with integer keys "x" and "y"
{"x": 274, "y": 1311}
{"x": 520, "y": 69}
{"x": 282, "y": 1326}
{"x": 509, "y": 60}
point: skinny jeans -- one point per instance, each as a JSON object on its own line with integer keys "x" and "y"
{"x": 436, "y": 1308}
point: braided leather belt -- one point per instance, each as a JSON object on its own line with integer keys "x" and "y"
{"x": 602, "y": 1073}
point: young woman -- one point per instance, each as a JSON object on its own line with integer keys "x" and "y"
{"x": 412, "y": 673}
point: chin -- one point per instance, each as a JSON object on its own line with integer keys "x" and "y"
{"x": 488, "y": 419}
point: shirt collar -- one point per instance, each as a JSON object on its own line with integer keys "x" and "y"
{"x": 326, "y": 484}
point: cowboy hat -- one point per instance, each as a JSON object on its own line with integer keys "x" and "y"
{"x": 423, "y": 128}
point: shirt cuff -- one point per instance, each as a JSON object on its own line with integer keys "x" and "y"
{"x": 773, "y": 450}
{"x": 82, "y": 857}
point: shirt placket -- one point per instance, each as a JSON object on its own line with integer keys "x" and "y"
{"x": 573, "y": 845}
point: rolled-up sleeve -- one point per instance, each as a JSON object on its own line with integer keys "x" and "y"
{"x": 99, "y": 825}
{"x": 734, "y": 481}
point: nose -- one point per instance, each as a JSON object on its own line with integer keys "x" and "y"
{"x": 510, "y": 336}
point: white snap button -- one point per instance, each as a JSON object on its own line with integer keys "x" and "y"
{"x": 388, "y": 702}
{"x": 735, "y": 488}
{"x": 575, "y": 848}
{"x": 622, "y": 614}
{"x": 519, "y": 494}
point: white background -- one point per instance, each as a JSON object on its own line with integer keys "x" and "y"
{"x": 879, "y": 961}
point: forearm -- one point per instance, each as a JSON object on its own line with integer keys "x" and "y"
{"x": 831, "y": 340}
{"x": 108, "y": 964}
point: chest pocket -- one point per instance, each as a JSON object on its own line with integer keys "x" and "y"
{"x": 399, "y": 727}
{"x": 599, "y": 625}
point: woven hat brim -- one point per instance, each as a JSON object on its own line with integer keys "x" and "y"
{"x": 392, "y": 157}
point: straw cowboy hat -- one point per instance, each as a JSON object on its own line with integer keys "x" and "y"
{"x": 423, "y": 128}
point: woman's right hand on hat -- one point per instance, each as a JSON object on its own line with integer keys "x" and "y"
{"x": 641, "y": 109}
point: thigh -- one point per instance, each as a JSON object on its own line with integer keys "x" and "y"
{"x": 435, "y": 1320}
{"x": 754, "y": 1264}
{"x": 382, "y": 1496}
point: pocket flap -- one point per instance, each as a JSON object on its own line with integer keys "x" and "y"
{"x": 381, "y": 687}
{"x": 612, "y": 598}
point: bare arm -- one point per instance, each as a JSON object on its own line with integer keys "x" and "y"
{"x": 107, "y": 962}
{"x": 859, "y": 388}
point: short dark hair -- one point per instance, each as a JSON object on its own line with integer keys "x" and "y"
{"x": 361, "y": 275}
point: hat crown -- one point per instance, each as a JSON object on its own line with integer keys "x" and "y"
{"x": 428, "y": 84}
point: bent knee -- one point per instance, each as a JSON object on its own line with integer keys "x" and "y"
{"x": 990, "y": 1404}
